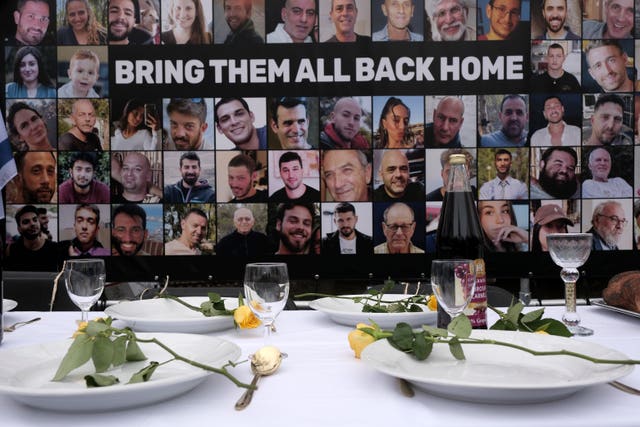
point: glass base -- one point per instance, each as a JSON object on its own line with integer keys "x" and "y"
{"x": 580, "y": 331}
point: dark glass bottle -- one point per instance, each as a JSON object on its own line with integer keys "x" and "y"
{"x": 460, "y": 235}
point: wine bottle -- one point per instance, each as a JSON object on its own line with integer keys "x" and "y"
{"x": 460, "y": 235}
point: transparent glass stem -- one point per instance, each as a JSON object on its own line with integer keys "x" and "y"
{"x": 268, "y": 326}
{"x": 85, "y": 315}
{"x": 571, "y": 318}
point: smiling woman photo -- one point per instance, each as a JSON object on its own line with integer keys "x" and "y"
{"x": 80, "y": 26}
{"x": 186, "y": 23}
{"x": 30, "y": 77}
{"x": 27, "y": 128}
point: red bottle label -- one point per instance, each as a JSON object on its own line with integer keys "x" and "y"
{"x": 476, "y": 311}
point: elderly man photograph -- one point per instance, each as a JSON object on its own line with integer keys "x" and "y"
{"x": 346, "y": 175}
{"x": 342, "y": 127}
{"x": 298, "y": 19}
{"x": 555, "y": 78}
{"x": 601, "y": 185}
{"x": 242, "y": 33}
{"x": 397, "y": 184}
{"x": 193, "y": 230}
{"x": 607, "y": 65}
{"x": 243, "y": 240}
{"x": 607, "y": 127}
{"x": 398, "y": 227}
{"x": 399, "y": 15}
{"x": 346, "y": 240}
{"x": 557, "y": 131}
{"x": 450, "y": 20}
{"x": 514, "y": 117}
{"x": 554, "y": 14}
{"x": 128, "y": 230}
{"x": 448, "y": 118}
{"x": 557, "y": 177}
{"x": 32, "y": 19}
{"x": 608, "y": 224}
{"x": 32, "y": 250}
{"x": 82, "y": 136}
{"x": 235, "y": 120}
{"x": 617, "y": 24}
{"x": 344, "y": 15}
{"x": 36, "y": 181}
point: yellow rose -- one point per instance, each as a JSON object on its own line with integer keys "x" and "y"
{"x": 358, "y": 339}
{"x": 244, "y": 318}
{"x": 541, "y": 332}
{"x": 432, "y": 303}
{"x": 82, "y": 327}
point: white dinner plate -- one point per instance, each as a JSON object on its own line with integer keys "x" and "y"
{"x": 497, "y": 374}
{"x": 347, "y": 312}
{"x": 26, "y": 372}
{"x": 165, "y": 315}
{"x": 8, "y": 305}
{"x": 603, "y": 304}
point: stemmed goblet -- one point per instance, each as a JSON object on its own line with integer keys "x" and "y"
{"x": 266, "y": 289}
{"x": 570, "y": 251}
{"x": 453, "y": 282}
{"x": 84, "y": 279}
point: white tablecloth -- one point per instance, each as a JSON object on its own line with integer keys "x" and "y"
{"x": 322, "y": 384}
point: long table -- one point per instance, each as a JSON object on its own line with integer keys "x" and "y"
{"x": 322, "y": 384}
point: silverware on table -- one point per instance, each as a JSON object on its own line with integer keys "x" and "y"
{"x": 16, "y": 325}
{"x": 624, "y": 387}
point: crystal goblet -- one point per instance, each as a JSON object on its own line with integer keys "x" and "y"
{"x": 570, "y": 251}
{"x": 453, "y": 282}
{"x": 266, "y": 289}
{"x": 84, "y": 279}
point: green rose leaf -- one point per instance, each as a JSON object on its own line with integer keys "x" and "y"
{"x": 456, "y": 348}
{"x": 402, "y": 337}
{"x": 421, "y": 347}
{"x": 513, "y": 313}
{"x": 102, "y": 353}
{"x": 134, "y": 353}
{"x": 144, "y": 374}
{"x": 99, "y": 380}
{"x": 460, "y": 326}
{"x": 435, "y": 332}
{"x": 94, "y": 328}
{"x": 532, "y": 315}
{"x": 414, "y": 308}
{"x": 119, "y": 351}
{"x": 78, "y": 354}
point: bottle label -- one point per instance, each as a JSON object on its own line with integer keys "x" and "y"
{"x": 476, "y": 311}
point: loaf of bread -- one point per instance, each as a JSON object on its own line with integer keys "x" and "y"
{"x": 623, "y": 290}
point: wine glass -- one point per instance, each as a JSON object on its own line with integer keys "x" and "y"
{"x": 453, "y": 282}
{"x": 266, "y": 289}
{"x": 570, "y": 251}
{"x": 84, "y": 279}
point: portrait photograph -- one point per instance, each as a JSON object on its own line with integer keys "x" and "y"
{"x": 30, "y": 72}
